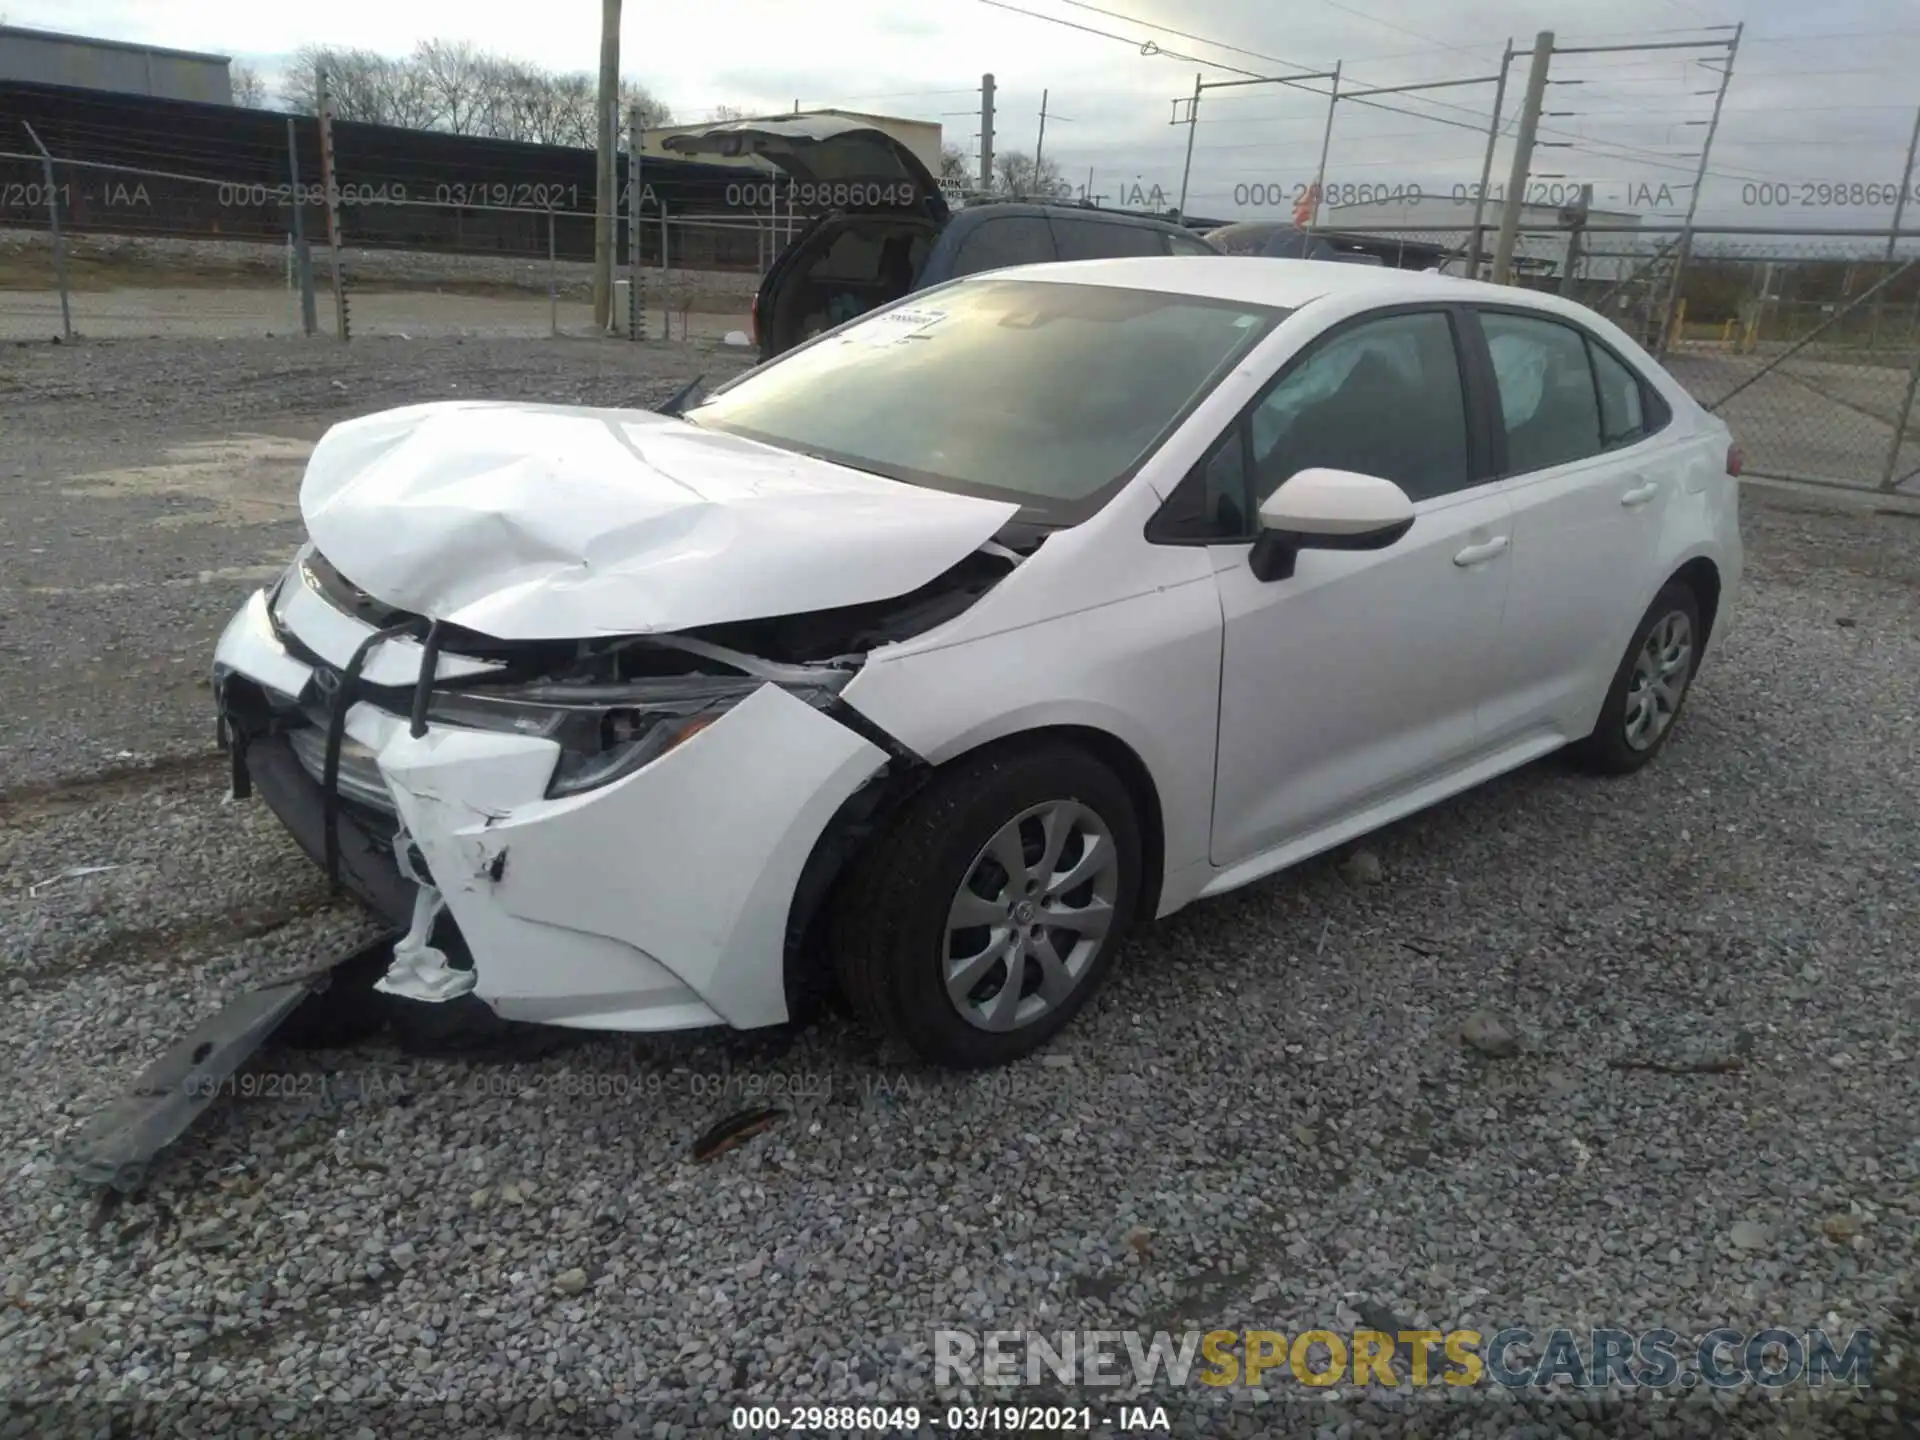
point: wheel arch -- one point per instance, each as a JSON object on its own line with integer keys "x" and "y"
{"x": 1702, "y": 577}
{"x": 806, "y": 966}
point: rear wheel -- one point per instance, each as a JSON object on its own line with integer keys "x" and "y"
{"x": 980, "y": 922}
{"x": 1650, "y": 687}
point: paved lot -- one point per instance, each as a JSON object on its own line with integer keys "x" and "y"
{"x": 1268, "y": 1121}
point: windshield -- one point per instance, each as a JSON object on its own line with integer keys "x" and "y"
{"x": 1046, "y": 394}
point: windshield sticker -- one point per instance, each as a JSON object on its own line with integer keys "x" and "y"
{"x": 899, "y": 326}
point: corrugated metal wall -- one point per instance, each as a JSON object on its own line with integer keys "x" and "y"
{"x": 415, "y": 189}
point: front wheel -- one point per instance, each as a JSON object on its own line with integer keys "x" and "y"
{"x": 1650, "y": 687}
{"x": 980, "y": 922}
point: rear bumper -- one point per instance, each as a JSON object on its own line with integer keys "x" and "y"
{"x": 658, "y": 902}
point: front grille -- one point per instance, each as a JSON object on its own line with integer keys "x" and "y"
{"x": 359, "y": 773}
{"x": 348, "y": 597}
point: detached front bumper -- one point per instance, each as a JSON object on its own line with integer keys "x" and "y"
{"x": 658, "y": 902}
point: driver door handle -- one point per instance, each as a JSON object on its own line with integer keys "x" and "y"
{"x": 1640, "y": 494}
{"x": 1475, "y": 554}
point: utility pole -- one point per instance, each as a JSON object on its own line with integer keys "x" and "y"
{"x": 603, "y": 204}
{"x": 1040, "y": 145}
{"x": 986, "y": 134}
{"x": 332, "y": 190}
{"x": 1193, "y": 124}
{"x": 1684, "y": 251}
{"x": 1522, "y": 157}
{"x": 1326, "y": 144}
{"x": 1477, "y": 244}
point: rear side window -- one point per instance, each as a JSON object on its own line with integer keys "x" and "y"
{"x": 1104, "y": 240}
{"x": 1548, "y": 399}
{"x": 1623, "y": 417}
{"x": 1007, "y": 240}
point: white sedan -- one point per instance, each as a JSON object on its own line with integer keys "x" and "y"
{"x": 926, "y": 658}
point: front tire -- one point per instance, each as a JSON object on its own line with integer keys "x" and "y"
{"x": 1650, "y": 688}
{"x": 980, "y": 921}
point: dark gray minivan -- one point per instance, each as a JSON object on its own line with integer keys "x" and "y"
{"x": 889, "y": 231}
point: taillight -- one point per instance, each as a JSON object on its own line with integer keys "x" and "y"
{"x": 1736, "y": 459}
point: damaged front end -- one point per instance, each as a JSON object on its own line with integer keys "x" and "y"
{"x": 625, "y": 832}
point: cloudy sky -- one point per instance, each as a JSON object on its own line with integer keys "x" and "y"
{"x": 1822, "y": 96}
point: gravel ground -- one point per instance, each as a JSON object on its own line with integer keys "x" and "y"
{"x": 1269, "y": 1120}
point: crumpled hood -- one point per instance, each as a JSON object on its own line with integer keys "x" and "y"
{"x": 530, "y": 522}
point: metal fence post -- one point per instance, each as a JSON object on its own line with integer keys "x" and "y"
{"x": 1887, "y": 476}
{"x": 636, "y": 297}
{"x": 59, "y": 243}
{"x": 666, "y": 277}
{"x": 332, "y": 197}
{"x": 553, "y": 282}
{"x": 302, "y": 254}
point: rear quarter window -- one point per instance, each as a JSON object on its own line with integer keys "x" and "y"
{"x": 1104, "y": 239}
{"x": 1002, "y": 241}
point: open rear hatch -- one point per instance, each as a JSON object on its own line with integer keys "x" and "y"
{"x": 824, "y": 153}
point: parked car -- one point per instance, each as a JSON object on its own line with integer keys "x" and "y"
{"x": 1278, "y": 240}
{"x": 928, "y": 657}
{"x": 891, "y": 231}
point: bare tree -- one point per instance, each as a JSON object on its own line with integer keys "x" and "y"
{"x": 955, "y": 164}
{"x": 450, "y": 85}
{"x": 722, "y": 113}
{"x": 1014, "y": 174}
{"x": 364, "y": 86}
{"x": 249, "y": 89}
{"x": 653, "y": 111}
{"x": 459, "y": 82}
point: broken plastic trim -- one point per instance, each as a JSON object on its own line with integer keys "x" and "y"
{"x": 340, "y": 695}
{"x": 423, "y": 687}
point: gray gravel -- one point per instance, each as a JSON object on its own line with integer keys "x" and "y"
{"x": 1560, "y": 1052}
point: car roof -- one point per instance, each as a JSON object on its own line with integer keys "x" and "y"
{"x": 986, "y": 209}
{"x": 1288, "y": 284}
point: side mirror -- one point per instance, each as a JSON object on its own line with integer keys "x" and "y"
{"x": 1320, "y": 509}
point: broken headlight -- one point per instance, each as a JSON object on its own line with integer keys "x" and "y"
{"x": 608, "y": 731}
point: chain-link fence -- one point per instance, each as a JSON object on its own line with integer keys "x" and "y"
{"x": 1807, "y": 343}
{"x": 408, "y": 265}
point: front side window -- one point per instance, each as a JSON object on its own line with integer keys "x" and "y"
{"x": 1043, "y": 393}
{"x": 1382, "y": 398}
{"x": 1548, "y": 401}
{"x": 1008, "y": 240}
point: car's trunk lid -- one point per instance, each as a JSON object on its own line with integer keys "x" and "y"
{"x": 824, "y": 153}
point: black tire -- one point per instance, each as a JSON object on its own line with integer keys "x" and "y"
{"x": 890, "y": 913}
{"x": 1609, "y": 750}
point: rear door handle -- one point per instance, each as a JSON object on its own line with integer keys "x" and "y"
{"x": 1640, "y": 494}
{"x": 1475, "y": 554}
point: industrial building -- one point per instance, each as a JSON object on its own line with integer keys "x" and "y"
{"x": 44, "y": 57}
{"x": 1540, "y": 247}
